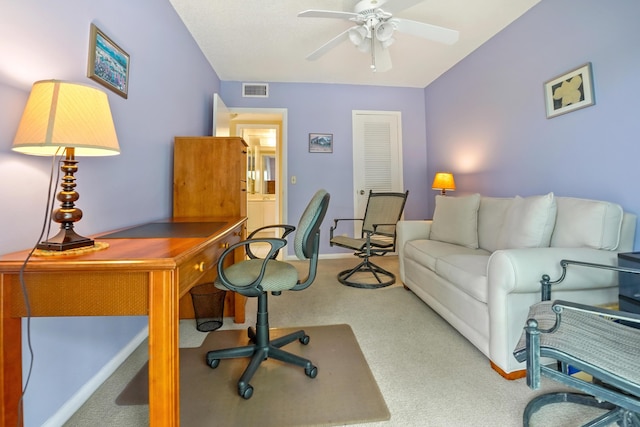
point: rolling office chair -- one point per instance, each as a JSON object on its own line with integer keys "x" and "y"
{"x": 378, "y": 238}
{"x": 255, "y": 277}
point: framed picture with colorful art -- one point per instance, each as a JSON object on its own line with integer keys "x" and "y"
{"x": 108, "y": 63}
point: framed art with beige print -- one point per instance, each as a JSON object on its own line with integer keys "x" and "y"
{"x": 570, "y": 91}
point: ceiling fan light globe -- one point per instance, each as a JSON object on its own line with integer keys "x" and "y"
{"x": 384, "y": 31}
{"x": 357, "y": 35}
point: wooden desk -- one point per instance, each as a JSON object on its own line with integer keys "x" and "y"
{"x": 134, "y": 276}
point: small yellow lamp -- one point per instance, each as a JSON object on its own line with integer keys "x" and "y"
{"x": 74, "y": 117}
{"x": 443, "y": 181}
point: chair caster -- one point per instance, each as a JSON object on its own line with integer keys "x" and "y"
{"x": 245, "y": 392}
{"x": 311, "y": 371}
{"x": 213, "y": 363}
{"x": 304, "y": 340}
{"x": 251, "y": 333}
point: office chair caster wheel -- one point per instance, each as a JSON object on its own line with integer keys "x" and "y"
{"x": 304, "y": 340}
{"x": 311, "y": 372}
{"x": 251, "y": 333}
{"x": 246, "y": 392}
{"x": 213, "y": 363}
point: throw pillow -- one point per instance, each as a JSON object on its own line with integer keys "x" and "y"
{"x": 584, "y": 223}
{"x": 529, "y": 223}
{"x": 455, "y": 220}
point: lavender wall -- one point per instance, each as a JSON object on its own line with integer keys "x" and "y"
{"x": 171, "y": 86}
{"x": 486, "y": 122}
{"x": 328, "y": 108}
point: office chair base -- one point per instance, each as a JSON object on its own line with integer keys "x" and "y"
{"x": 382, "y": 277}
{"x": 622, "y": 416}
{"x": 262, "y": 349}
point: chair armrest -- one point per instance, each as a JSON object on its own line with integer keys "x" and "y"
{"x": 559, "y": 305}
{"x": 384, "y": 233}
{"x": 335, "y": 224}
{"x": 588, "y": 339}
{"x": 546, "y": 282}
{"x": 253, "y": 288}
{"x": 286, "y": 230}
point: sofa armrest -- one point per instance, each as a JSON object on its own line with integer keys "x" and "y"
{"x": 520, "y": 270}
{"x": 410, "y": 230}
{"x": 514, "y": 277}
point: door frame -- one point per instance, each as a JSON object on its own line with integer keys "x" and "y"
{"x": 359, "y": 202}
{"x": 282, "y": 174}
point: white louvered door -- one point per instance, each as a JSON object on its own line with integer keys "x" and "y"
{"x": 377, "y": 156}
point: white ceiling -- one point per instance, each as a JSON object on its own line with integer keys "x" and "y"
{"x": 265, "y": 41}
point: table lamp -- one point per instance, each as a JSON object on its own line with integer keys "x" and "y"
{"x": 443, "y": 181}
{"x": 76, "y": 118}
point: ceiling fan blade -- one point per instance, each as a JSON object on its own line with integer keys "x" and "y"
{"x": 329, "y": 45}
{"x": 392, "y": 6}
{"x": 326, "y": 14}
{"x": 426, "y": 31}
{"x": 382, "y": 57}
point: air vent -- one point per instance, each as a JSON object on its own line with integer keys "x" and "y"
{"x": 255, "y": 90}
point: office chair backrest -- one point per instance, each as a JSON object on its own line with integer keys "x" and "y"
{"x": 383, "y": 208}
{"x": 309, "y": 225}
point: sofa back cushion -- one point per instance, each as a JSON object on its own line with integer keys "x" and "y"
{"x": 455, "y": 220}
{"x": 529, "y": 223}
{"x": 587, "y": 223}
{"x": 491, "y": 216}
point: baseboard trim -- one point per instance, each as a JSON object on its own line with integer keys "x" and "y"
{"x": 511, "y": 375}
{"x": 336, "y": 256}
{"x": 83, "y": 394}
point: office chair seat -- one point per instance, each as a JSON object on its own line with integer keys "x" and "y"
{"x": 278, "y": 276}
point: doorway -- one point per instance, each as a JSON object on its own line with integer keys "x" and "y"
{"x": 264, "y": 130}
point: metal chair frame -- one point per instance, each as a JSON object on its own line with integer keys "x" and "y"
{"x": 377, "y": 239}
{"x": 558, "y": 330}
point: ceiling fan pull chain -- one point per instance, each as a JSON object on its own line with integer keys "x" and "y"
{"x": 373, "y": 52}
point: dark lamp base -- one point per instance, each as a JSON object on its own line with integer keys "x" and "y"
{"x": 65, "y": 240}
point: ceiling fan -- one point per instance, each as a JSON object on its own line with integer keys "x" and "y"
{"x": 375, "y": 25}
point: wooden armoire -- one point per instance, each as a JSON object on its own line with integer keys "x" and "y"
{"x": 209, "y": 181}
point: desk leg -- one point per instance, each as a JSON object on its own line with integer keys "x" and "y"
{"x": 164, "y": 364}
{"x": 10, "y": 356}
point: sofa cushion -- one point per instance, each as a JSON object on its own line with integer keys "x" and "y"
{"x": 587, "y": 223}
{"x": 529, "y": 223}
{"x": 427, "y": 252}
{"x": 491, "y": 216}
{"x": 467, "y": 272}
{"x": 455, "y": 220}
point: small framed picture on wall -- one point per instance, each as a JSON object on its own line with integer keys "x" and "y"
{"x": 321, "y": 143}
{"x": 108, "y": 64}
{"x": 569, "y": 92}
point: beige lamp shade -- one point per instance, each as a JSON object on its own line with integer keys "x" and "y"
{"x": 62, "y": 114}
{"x": 443, "y": 181}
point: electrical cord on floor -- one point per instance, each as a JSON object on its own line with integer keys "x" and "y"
{"x": 46, "y": 227}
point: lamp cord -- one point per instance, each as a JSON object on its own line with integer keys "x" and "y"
{"x": 46, "y": 227}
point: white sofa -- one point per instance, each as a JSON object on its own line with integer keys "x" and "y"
{"x": 479, "y": 262}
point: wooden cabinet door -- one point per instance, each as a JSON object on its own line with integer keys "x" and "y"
{"x": 209, "y": 176}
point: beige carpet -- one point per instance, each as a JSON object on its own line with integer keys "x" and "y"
{"x": 344, "y": 392}
{"x": 429, "y": 375}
